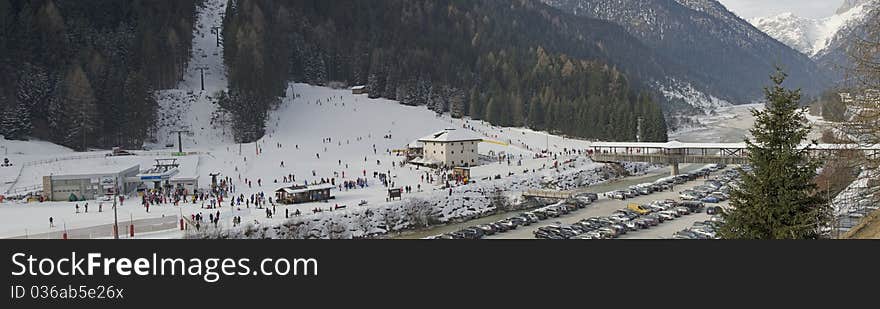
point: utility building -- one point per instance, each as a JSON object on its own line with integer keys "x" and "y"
{"x": 92, "y": 182}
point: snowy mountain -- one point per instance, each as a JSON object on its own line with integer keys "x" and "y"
{"x": 706, "y": 48}
{"x": 814, "y": 37}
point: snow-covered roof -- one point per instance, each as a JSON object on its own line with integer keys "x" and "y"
{"x": 188, "y": 168}
{"x": 361, "y": 87}
{"x": 450, "y": 135}
{"x": 415, "y": 144}
{"x": 87, "y": 170}
{"x": 424, "y": 161}
{"x": 295, "y": 190}
{"x": 680, "y": 145}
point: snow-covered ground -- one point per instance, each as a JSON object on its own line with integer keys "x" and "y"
{"x": 21, "y": 154}
{"x": 729, "y": 124}
{"x": 675, "y": 90}
{"x": 188, "y": 107}
{"x": 811, "y": 36}
{"x": 353, "y": 123}
{"x": 362, "y": 133}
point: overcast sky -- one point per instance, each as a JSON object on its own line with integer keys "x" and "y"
{"x": 804, "y": 8}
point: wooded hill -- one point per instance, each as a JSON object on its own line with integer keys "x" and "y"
{"x": 80, "y": 73}
{"x": 512, "y": 63}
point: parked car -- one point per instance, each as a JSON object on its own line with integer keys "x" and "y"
{"x": 656, "y": 216}
{"x": 519, "y": 221}
{"x": 689, "y": 195}
{"x": 593, "y": 196}
{"x": 670, "y": 212}
{"x": 541, "y": 214}
{"x": 710, "y": 199}
{"x": 693, "y": 206}
{"x": 487, "y": 229}
{"x": 638, "y": 209}
{"x": 531, "y": 217}
{"x": 682, "y": 210}
{"x": 665, "y": 216}
{"x": 644, "y": 190}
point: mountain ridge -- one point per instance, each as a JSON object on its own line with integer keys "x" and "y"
{"x": 721, "y": 54}
{"x": 813, "y": 37}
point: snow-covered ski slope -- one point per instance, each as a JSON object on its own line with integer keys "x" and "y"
{"x": 309, "y": 114}
{"x": 188, "y": 107}
{"x": 354, "y": 125}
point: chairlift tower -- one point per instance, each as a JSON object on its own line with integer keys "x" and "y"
{"x": 216, "y": 31}
{"x": 180, "y": 138}
{"x": 202, "y": 70}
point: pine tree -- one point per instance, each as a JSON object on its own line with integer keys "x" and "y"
{"x": 777, "y": 199}
{"x": 73, "y": 111}
{"x": 475, "y": 109}
{"x": 15, "y": 122}
{"x": 536, "y": 115}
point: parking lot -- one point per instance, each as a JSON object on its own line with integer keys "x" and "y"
{"x": 663, "y": 203}
{"x": 668, "y": 228}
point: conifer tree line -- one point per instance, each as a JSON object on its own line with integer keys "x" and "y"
{"x": 81, "y": 73}
{"x": 505, "y": 62}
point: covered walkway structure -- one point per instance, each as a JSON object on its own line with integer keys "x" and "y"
{"x": 675, "y": 152}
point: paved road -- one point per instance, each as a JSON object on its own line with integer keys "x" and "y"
{"x": 106, "y": 230}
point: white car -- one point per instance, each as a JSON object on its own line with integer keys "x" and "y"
{"x": 666, "y": 215}
{"x": 671, "y": 213}
{"x": 688, "y": 196}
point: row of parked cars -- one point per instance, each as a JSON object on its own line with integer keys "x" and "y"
{"x": 713, "y": 191}
{"x": 524, "y": 219}
{"x": 664, "y": 184}
{"x": 633, "y": 218}
{"x": 701, "y": 230}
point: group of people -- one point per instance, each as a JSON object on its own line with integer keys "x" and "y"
{"x": 257, "y": 199}
{"x": 353, "y": 184}
{"x": 86, "y": 207}
{"x": 199, "y": 218}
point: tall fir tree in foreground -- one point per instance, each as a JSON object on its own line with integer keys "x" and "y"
{"x": 778, "y": 198}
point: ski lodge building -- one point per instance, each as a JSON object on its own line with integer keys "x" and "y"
{"x": 359, "y": 89}
{"x": 449, "y": 148}
{"x": 297, "y": 194}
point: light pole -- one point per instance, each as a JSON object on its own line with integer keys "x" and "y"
{"x": 115, "y": 219}
{"x": 639, "y": 130}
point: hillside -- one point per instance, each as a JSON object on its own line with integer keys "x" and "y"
{"x": 362, "y": 134}
{"x": 826, "y": 40}
{"x": 517, "y": 63}
{"x": 721, "y": 55}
